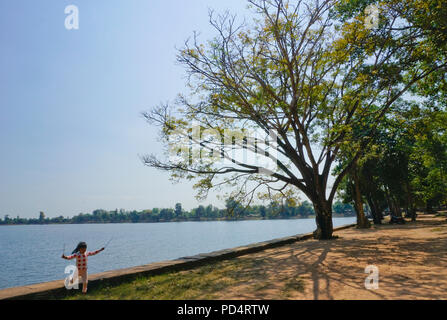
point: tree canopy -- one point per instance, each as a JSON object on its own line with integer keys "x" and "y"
{"x": 316, "y": 74}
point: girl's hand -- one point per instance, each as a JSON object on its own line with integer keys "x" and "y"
{"x": 102, "y": 249}
{"x": 63, "y": 256}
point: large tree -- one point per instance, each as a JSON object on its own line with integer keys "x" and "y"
{"x": 299, "y": 72}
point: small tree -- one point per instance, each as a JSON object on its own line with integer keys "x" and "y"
{"x": 178, "y": 210}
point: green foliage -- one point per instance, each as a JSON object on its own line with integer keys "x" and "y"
{"x": 320, "y": 76}
{"x": 274, "y": 210}
{"x": 407, "y": 168}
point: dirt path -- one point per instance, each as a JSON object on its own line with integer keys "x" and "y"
{"x": 411, "y": 259}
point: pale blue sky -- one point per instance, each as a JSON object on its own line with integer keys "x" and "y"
{"x": 70, "y": 101}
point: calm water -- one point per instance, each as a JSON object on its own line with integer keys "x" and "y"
{"x": 32, "y": 254}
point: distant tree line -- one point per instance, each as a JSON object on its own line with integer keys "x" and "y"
{"x": 233, "y": 211}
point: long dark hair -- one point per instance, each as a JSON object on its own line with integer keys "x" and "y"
{"x": 79, "y": 246}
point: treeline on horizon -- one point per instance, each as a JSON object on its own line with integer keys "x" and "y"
{"x": 232, "y": 211}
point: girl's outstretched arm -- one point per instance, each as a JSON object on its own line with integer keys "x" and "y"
{"x": 92, "y": 253}
{"x": 68, "y": 257}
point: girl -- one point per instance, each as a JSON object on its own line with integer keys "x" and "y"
{"x": 81, "y": 261}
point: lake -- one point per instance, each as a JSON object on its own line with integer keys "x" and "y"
{"x": 32, "y": 253}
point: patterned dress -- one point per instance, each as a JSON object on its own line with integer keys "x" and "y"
{"x": 81, "y": 259}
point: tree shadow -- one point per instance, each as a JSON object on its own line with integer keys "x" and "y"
{"x": 408, "y": 267}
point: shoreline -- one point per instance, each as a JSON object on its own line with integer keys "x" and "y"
{"x": 410, "y": 260}
{"x": 174, "y": 221}
{"x": 46, "y": 289}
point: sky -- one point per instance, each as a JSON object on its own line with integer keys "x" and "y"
{"x": 71, "y": 100}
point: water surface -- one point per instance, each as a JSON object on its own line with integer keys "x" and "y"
{"x": 32, "y": 253}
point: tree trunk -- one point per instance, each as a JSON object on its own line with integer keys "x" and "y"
{"x": 377, "y": 219}
{"x": 413, "y": 214}
{"x": 410, "y": 203}
{"x": 392, "y": 204}
{"x": 429, "y": 207}
{"x": 397, "y": 211}
{"x": 362, "y": 221}
{"x": 323, "y": 217}
{"x": 411, "y": 210}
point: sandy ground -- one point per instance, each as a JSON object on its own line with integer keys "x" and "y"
{"x": 411, "y": 260}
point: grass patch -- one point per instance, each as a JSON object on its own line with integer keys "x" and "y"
{"x": 440, "y": 229}
{"x": 203, "y": 282}
{"x": 292, "y": 285}
{"x": 260, "y": 286}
